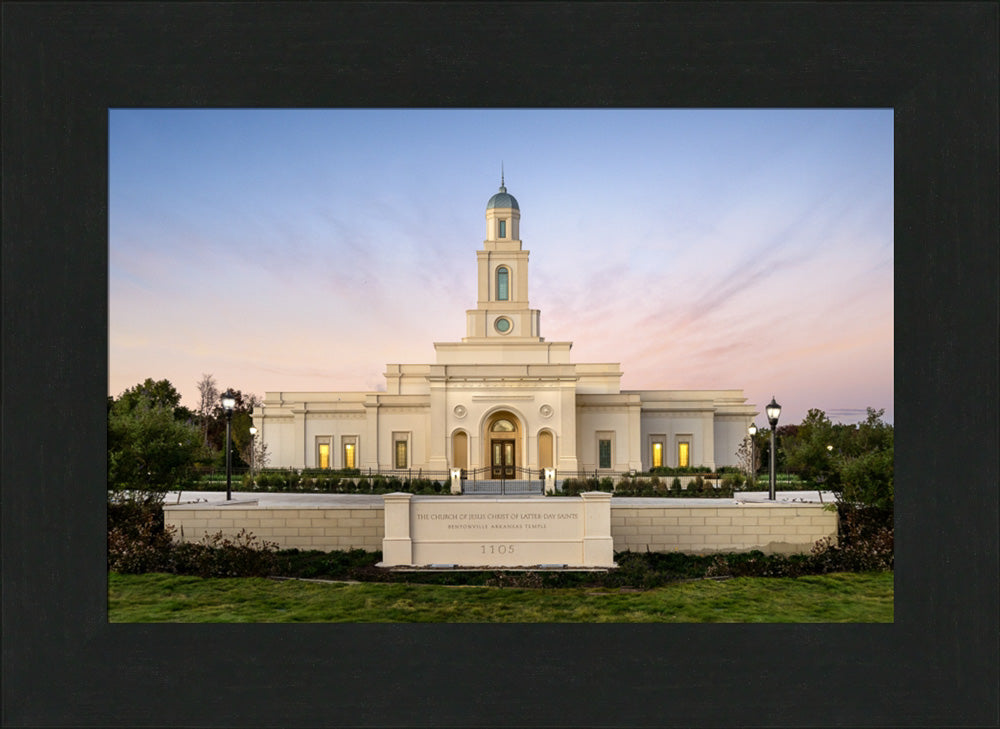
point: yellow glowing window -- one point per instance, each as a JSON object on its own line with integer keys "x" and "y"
{"x": 400, "y": 454}
{"x": 324, "y": 455}
{"x": 349, "y": 455}
{"x": 657, "y": 455}
{"x": 683, "y": 454}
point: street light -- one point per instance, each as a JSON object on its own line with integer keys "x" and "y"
{"x": 752, "y": 430}
{"x": 773, "y": 410}
{"x": 253, "y": 432}
{"x": 228, "y": 403}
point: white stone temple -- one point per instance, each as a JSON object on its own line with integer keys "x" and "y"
{"x": 504, "y": 398}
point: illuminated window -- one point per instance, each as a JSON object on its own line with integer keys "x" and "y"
{"x": 657, "y": 455}
{"x": 324, "y": 455}
{"x": 502, "y": 426}
{"x": 604, "y": 453}
{"x": 501, "y": 229}
{"x": 503, "y": 288}
{"x": 683, "y": 454}
{"x": 349, "y": 455}
{"x": 401, "y": 454}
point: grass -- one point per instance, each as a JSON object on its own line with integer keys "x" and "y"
{"x": 839, "y": 597}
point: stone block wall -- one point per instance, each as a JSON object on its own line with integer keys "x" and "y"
{"x": 654, "y": 524}
{"x": 771, "y": 528}
{"x": 317, "y": 527}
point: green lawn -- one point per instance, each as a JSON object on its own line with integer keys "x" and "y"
{"x": 841, "y": 597}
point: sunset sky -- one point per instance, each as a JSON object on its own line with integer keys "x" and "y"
{"x": 306, "y": 249}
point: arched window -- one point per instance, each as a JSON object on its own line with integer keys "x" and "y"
{"x": 503, "y": 426}
{"x": 503, "y": 283}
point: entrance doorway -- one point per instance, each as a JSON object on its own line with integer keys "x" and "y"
{"x": 502, "y": 462}
{"x": 503, "y": 445}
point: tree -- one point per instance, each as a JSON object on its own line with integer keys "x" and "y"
{"x": 240, "y": 426}
{"x": 806, "y": 452}
{"x": 208, "y": 398}
{"x": 150, "y": 451}
{"x": 743, "y": 454}
{"x": 159, "y": 393}
{"x": 867, "y": 470}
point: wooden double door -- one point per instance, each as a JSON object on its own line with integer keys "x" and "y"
{"x": 502, "y": 459}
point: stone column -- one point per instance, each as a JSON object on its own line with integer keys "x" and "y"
{"x": 397, "y": 547}
{"x": 598, "y": 546}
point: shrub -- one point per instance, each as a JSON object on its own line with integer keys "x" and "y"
{"x": 137, "y": 540}
{"x": 865, "y": 541}
{"x": 732, "y": 480}
{"x": 243, "y": 555}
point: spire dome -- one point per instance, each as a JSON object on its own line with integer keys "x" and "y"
{"x": 502, "y": 199}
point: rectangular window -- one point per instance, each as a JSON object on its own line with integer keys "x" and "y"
{"x": 324, "y": 455}
{"x": 501, "y": 229}
{"x": 683, "y": 454}
{"x": 349, "y": 455}
{"x": 604, "y": 453}
{"x": 400, "y": 454}
{"x": 657, "y": 455}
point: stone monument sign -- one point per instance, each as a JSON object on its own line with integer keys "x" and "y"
{"x": 497, "y": 532}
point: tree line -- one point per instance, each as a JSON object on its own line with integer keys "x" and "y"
{"x": 854, "y": 461}
{"x": 155, "y": 444}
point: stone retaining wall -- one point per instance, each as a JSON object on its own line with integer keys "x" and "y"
{"x": 771, "y": 528}
{"x": 305, "y": 527}
{"x": 655, "y": 526}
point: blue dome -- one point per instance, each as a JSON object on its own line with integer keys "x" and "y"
{"x": 502, "y": 200}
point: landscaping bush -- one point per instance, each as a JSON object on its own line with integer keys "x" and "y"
{"x": 243, "y": 555}
{"x": 865, "y": 541}
{"x": 137, "y": 541}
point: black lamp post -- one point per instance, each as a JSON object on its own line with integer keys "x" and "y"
{"x": 228, "y": 403}
{"x": 773, "y": 410}
{"x": 752, "y": 430}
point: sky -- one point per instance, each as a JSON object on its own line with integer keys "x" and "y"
{"x": 303, "y": 250}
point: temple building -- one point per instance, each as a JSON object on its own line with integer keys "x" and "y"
{"x": 504, "y": 399}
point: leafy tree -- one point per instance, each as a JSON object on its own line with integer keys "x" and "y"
{"x": 867, "y": 470}
{"x": 806, "y": 453}
{"x": 150, "y": 451}
{"x": 159, "y": 393}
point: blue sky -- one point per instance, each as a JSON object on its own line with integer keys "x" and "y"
{"x": 306, "y": 249}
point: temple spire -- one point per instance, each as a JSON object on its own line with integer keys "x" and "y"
{"x": 502, "y": 187}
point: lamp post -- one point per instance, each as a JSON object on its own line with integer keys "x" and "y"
{"x": 752, "y": 430}
{"x": 773, "y": 410}
{"x": 228, "y": 403}
{"x": 253, "y": 432}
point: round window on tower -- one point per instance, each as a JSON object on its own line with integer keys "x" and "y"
{"x": 503, "y": 325}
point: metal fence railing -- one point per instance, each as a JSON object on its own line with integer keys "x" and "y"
{"x": 507, "y": 481}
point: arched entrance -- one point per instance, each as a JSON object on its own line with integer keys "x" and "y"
{"x": 503, "y": 444}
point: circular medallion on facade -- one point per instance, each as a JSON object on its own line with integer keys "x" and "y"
{"x": 546, "y": 411}
{"x": 460, "y": 411}
{"x": 502, "y": 324}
